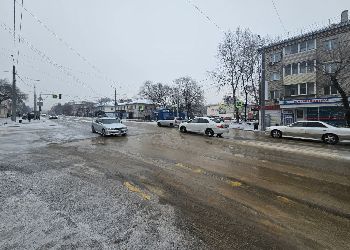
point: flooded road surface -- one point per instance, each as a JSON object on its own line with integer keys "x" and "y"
{"x": 242, "y": 191}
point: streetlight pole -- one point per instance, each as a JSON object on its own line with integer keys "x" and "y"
{"x": 14, "y": 96}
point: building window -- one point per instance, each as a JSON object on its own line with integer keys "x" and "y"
{"x": 330, "y": 44}
{"x": 302, "y": 46}
{"x": 310, "y": 66}
{"x": 276, "y": 57}
{"x": 311, "y": 44}
{"x": 275, "y": 76}
{"x": 294, "y": 69}
{"x": 310, "y": 88}
{"x": 330, "y": 90}
{"x": 288, "y": 70}
{"x": 274, "y": 94}
{"x": 302, "y": 89}
{"x": 330, "y": 68}
{"x": 302, "y": 68}
{"x": 292, "y": 90}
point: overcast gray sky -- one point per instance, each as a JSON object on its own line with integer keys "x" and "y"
{"x": 132, "y": 41}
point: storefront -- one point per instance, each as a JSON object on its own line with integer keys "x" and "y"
{"x": 315, "y": 109}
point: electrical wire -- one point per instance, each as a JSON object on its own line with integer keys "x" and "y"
{"x": 278, "y": 15}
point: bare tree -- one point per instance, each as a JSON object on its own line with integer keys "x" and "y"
{"x": 230, "y": 65}
{"x": 103, "y": 101}
{"x": 334, "y": 62}
{"x": 190, "y": 95}
{"x": 156, "y": 92}
{"x": 6, "y": 92}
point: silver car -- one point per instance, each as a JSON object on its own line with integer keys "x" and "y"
{"x": 311, "y": 130}
{"x": 108, "y": 126}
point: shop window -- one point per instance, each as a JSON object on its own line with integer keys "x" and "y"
{"x": 300, "y": 114}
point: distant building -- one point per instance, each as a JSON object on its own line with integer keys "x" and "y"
{"x": 294, "y": 89}
{"x": 5, "y": 109}
{"x": 130, "y": 109}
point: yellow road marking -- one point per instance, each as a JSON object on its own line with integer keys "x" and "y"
{"x": 284, "y": 199}
{"x": 135, "y": 189}
{"x": 235, "y": 183}
{"x": 198, "y": 171}
{"x": 180, "y": 165}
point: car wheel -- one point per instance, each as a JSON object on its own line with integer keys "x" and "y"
{"x": 159, "y": 124}
{"x": 124, "y": 134}
{"x": 93, "y": 129}
{"x": 103, "y": 132}
{"x": 276, "y": 133}
{"x": 219, "y": 135}
{"x": 183, "y": 129}
{"x": 330, "y": 139}
{"x": 209, "y": 132}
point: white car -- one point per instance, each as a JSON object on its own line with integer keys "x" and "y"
{"x": 311, "y": 130}
{"x": 108, "y": 126}
{"x": 204, "y": 125}
{"x": 170, "y": 123}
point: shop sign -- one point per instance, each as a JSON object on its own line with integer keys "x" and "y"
{"x": 310, "y": 101}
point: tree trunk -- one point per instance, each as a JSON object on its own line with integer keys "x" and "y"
{"x": 344, "y": 98}
{"x": 245, "y": 105}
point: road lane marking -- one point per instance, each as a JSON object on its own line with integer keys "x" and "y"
{"x": 135, "y": 189}
{"x": 284, "y": 199}
{"x": 235, "y": 183}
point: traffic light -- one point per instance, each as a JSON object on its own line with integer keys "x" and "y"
{"x": 54, "y": 96}
{"x": 59, "y": 96}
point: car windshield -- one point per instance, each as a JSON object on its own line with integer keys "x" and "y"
{"x": 217, "y": 120}
{"x": 332, "y": 124}
{"x": 110, "y": 121}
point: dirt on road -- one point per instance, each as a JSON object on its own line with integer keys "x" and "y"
{"x": 157, "y": 189}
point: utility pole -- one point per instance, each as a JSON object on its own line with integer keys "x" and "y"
{"x": 14, "y": 98}
{"x": 115, "y": 102}
{"x": 35, "y": 103}
{"x": 262, "y": 92}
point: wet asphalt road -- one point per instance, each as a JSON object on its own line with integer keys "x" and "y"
{"x": 174, "y": 190}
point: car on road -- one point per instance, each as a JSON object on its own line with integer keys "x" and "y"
{"x": 311, "y": 130}
{"x": 53, "y": 117}
{"x": 204, "y": 125}
{"x": 108, "y": 126}
{"x": 170, "y": 122}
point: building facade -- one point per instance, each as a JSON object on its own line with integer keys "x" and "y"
{"x": 295, "y": 86}
{"x": 131, "y": 109}
{"x": 5, "y": 109}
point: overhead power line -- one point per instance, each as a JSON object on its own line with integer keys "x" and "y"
{"x": 53, "y": 33}
{"x": 51, "y": 61}
{"x": 205, "y": 15}
{"x": 278, "y": 15}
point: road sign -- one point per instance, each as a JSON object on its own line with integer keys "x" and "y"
{"x": 40, "y": 104}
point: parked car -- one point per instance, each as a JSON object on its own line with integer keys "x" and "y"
{"x": 51, "y": 117}
{"x": 205, "y": 125}
{"x": 170, "y": 123}
{"x": 108, "y": 126}
{"x": 311, "y": 130}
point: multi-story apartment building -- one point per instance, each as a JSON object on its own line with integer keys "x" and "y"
{"x": 295, "y": 87}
